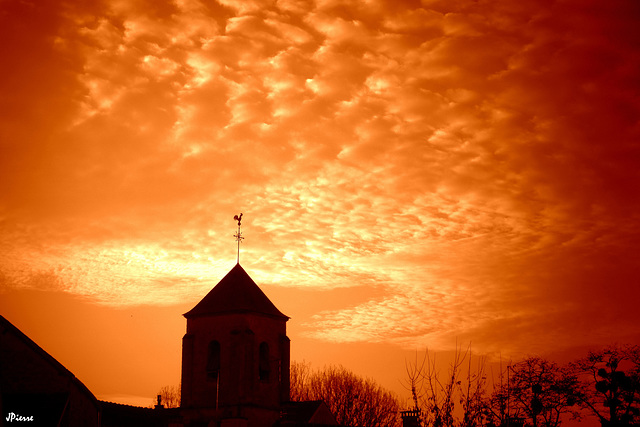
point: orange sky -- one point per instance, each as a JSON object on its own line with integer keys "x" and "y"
{"x": 410, "y": 173}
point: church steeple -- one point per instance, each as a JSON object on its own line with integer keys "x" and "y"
{"x": 235, "y": 355}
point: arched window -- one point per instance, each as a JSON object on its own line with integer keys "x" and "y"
{"x": 213, "y": 360}
{"x": 264, "y": 367}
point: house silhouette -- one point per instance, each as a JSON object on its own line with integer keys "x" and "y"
{"x": 36, "y": 390}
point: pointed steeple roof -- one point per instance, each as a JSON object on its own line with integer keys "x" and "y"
{"x": 235, "y": 293}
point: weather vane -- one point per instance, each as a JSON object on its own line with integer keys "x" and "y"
{"x": 238, "y": 235}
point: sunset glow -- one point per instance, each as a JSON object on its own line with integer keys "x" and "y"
{"x": 411, "y": 174}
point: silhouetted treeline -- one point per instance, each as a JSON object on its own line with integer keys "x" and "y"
{"x": 604, "y": 384}
{"x": 353, "y": 400}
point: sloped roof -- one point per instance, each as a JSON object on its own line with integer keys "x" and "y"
{"x": 235, "y": 293}
{"x": 8, "y": 327}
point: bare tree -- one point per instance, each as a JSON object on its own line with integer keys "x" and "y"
{"x": 415, "y": 381}
{"x": 436, "y": 397}
{"x": 299, "y": 377}
{"x": 472, "y": 393}
{"x": 543, "y": 392}
{"x": 611, "y": 384}
{"x": 440, "y": 393}
{"x": 498, "y": 410}
{"x": 353, "y": 400}
{"x": 170, "y": 396}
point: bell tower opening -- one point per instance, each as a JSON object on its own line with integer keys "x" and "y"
{"x": 264, "y": 369}
{"x": 213, "y": 360}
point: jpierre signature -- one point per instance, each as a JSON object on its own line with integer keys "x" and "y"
{"x": 16, "y": 417}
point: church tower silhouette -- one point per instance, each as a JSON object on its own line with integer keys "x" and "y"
{"x": 235, "y": 356}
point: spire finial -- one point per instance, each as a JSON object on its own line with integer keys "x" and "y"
{"x": 238, "y": 235}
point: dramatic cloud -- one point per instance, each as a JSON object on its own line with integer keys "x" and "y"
{"x": 473, "y": 166}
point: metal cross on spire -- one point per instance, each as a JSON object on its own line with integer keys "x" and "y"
{"x": 238, "y": 235}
